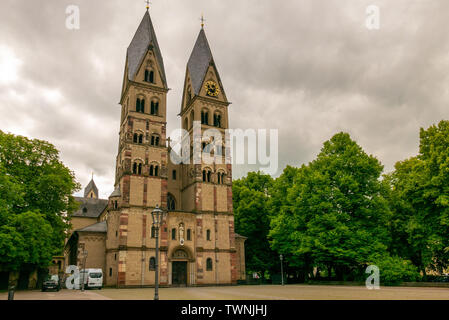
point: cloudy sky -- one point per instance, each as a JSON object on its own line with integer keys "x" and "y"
{"x": 307, "y": 68}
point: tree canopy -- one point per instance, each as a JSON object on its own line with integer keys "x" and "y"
{"x": 35, "y": 200}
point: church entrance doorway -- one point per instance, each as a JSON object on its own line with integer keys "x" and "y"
{"x": 179, "y": 273}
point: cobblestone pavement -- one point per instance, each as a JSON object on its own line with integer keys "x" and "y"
{"x": 265, "y": 292}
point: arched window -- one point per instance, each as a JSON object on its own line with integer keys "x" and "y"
{"x": 155, "y": 140}
{"x": 135, "y": 137}
{"x": 171, "y": 204}
{"x": 156, "y": 171}
{"x": 152, "y": 264}
{"x": 192, "y": 118}
{"x": 173, "y": 234}
{"x": 141, "y": 138}
{"x": 208, "y": 235}
{"x": 147, "y": 76}
{"x": 209, "y": 175}
{"x": 209, "y": 264}
{"x": 154, "y": 108}
{"x": 205, "y": 117}
{"x": 135, "y": 168}
{"x": 204, "y": 175}
{"x": 140, "y": 105}
{"x": 189, "y": 234}
{"x": 151, "y": 170}
{"x": 217, "y": 120}
{"x": 139, "y": 169}
{"x": 84, "y": 210}
{"x": 152, "y": 76}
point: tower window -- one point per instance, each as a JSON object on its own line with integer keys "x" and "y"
{"x": 154, "y": 108}
{"x": 171, "y": 204}
{"x": 149, "y": 76}
{"x": 140, "y": 105}
{"x": 110, "y": 272}
{"x": 174, "y": 174}
{"x": 151, "y": 170}
{"x": 209, "y": 174}
{"x": 209, "y": 264}
{"x": 217, "y": 120}
{"x": 135, "y": 168}
{"x": 208, "y": 235}
{"x": 173, "y": 234}
{"x": 154, "y": 171}
{"x": 155, "y": 140}
{"x": 141, "y": 138}
{"x": 205, "y": 117}
{"x": 135, "y": 138}
{"x": 204, "y": 175}
{"x": 152, "y": 264}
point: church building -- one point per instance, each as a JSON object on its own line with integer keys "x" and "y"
{"x": 198, "y": 244}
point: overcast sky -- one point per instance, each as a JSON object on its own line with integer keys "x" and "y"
{"x": 307, "y": 68}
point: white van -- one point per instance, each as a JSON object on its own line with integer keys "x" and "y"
{"x": 92, "y": 278}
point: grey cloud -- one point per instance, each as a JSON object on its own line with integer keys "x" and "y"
{"x": 308, "y": 68}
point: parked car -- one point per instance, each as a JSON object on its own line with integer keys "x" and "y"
{"x": 51, "y": 282}
{"x": 92, "y": 278}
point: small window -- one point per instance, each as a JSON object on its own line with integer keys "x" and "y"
{"x": 209, "y": 174}
{"x": 171, "y": 204}
{"x": 151, "y": 170}
{"x": 135, "y": 168}
{"x": 189, "y": 234}
{"x": 208, "y": 235}
{"x": 204, "y": 175}
{"x": 135, "y": 138}
{"x": 116, "y": 235}
{"x": 152, "y": 264}
{"x": 115, "y": 257}
{"x": 153, "y": 232}
{"x": 173, "y": 234}
{"x": 110, "y": 272}
{"x": 84, "y": 210}
{"x": 141, "y": 138}
{"x": 156, "y": 171}
{"x": 140, "y": 105}
{"x": 174, "y": 175}
{"x": 209, "y": 264}
{"x": 154, "y": 108}
{"x": 152, "y": 76}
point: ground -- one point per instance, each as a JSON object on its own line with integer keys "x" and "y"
{"x": 269, "y": 292}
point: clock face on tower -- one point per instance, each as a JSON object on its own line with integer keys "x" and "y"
{"x": 212, "y": 89}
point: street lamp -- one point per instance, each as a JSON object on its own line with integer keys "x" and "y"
{"x": 158, "y": 215}
{"x": 282, "y": 268}
{"x": 84, "y": 273}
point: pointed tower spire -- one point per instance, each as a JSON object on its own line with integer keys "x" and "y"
{"x": 200, "y": 60}
{"x": 91, "y": 190}
{"x": 145, "y": 39}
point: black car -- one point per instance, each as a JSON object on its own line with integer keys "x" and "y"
{"x": 51, "y": 283}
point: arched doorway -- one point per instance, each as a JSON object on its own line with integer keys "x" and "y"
{"x": 179, "y": 260}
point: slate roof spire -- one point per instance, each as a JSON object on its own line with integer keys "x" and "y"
{"x": 91, "y": 187}
{"x": 144, "y": 39}
{"x": 200, "y": 60}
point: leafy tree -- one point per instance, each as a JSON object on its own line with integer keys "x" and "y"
{"x": 35, "y": 202}
{"x": 251, "y": 214}
{"x": 336, "y": 214}
{"x": 420, "y": 201}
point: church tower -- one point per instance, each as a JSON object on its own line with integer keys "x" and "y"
{"x": 198, "y": 245}
{"x": 141, "y": 164}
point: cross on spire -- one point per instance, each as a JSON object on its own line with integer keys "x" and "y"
{"x": 148, "y": 4}
{"x": 202, "y": 21}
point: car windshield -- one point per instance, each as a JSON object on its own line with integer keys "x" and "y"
{"x": 52, "y": 278}
{"x": 95, "y": 275}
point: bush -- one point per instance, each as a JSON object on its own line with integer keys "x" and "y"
{"x": 395, "y": 270}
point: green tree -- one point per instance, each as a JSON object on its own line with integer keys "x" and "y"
{"x": 251, "y": 214}
{"x": 420, "y": 201}
{"x": 336, "y": 214}
{"x": 35, "y": 202}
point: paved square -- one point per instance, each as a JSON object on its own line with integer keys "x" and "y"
{"x": 265, "y": 292}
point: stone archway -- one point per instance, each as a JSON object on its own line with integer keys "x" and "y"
{"x": 181, "y": 262}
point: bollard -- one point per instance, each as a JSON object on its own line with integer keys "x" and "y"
{"x": 11, "y": 293}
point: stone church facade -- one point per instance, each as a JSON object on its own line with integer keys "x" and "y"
{"x": 198, "y": 244}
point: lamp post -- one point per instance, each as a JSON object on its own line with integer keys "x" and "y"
{"x": 83, "y": 273}
{"x": 158, "y": 215}
{"x": 282, "y": 269}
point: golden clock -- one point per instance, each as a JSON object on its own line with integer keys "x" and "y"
{"x": 212, "y": 89}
